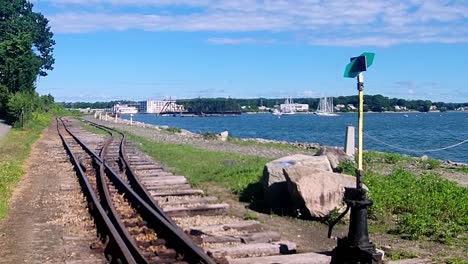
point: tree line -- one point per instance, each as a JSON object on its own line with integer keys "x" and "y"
{"x": 375, "y": 103}
{"x": 26, "y": 47}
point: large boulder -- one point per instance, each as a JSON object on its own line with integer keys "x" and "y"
{"x": 315, "y": 193}
{"x": 273, "y": 180}
{"x": 335, "y": 155}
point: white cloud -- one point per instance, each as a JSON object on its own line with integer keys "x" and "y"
{"x": 339, "y": 22}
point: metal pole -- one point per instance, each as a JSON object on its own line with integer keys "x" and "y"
{"x": 356, "y": 247}
{"x": 360, "y": 88}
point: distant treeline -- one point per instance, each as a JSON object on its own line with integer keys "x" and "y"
{"x": 375, "y": 103}
{"x": 95, "y": 105}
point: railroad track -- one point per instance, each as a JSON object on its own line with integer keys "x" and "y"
{"x": 149, "y": 215}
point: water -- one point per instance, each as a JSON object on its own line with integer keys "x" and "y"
{"x": 415, "y": 131}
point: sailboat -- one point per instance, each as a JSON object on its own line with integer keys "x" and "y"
{"x": 325, "y": 107}
{"x": 288, "y": 108}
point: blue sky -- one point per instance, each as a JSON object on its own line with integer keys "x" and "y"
{"x": 154, "y": 49}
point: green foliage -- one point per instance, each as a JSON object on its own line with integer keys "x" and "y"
{"x": 14, "y": 149}
{"x": 396, "y": 254}
{"x": 26, "y": 47}
{"x": 463, "y": 169}
{"x": 173, "y": 130}
{"x": 250, "y": 216}
{"x": 346, "y": 167}
{"x": 208, "y": 135}
{"x": 424, "y": 206}
{"x": 456, "y": 261}
{"x": 332, "y": 216}
{"x": 211, "y": 105}
{"x": 431, "y": 164}
{"x": 233, "y": 171}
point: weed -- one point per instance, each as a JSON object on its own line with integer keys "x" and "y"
{"x": 397, "y": 254}
{"x": 332, "y": 216}
{"x": 174, "y": 130}
{"x": 250, "y": 216}
{"x": 462, "y": 169}
{"x": 431, "y": 164}
{"x": 208, "y": 135}
{"x": 346, "y": 167}
{"x": 456, "y": 261}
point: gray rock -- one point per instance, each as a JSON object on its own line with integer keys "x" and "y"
{"x": 273, "y": 180}
{"x": 223, "y": 136}
{"x": 315, "y": 193}
{"x": 334, "y": 154}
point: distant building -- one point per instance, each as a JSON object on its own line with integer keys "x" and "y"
{"x": 156, "y": 107}
{"x": 294, "y": 107}
{"x": 124, "y": 109}
{"x": 433, "y": 108}
{"x": 400, "y": 108}
{"x": 351, "y": 107}
{"x": 338, "y": 107}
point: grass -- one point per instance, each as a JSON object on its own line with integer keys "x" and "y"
{"x": 14, "y": 150}
{"x": 232, "y": 171}
{"x": 397, "y": 254}
{"x": 423, "y": 206}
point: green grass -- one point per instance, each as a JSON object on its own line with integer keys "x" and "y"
{"x": 397, "y": 254}
{"x": 424, "y": 206}
{"x": 462, "y": 169}
{"x": 230, "y": 170}
{"x": 14, "y": 150}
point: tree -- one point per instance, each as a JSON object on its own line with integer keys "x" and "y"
{"x": 26, "y": 48}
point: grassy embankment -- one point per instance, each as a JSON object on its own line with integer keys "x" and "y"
{"x": 14, "y": 150}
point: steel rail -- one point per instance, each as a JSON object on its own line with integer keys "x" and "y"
{"x": 131, "y": 175}
{"x": 174, "y": 236}
{"x": 106, "y": 202}
{"x": 115, "y": 249}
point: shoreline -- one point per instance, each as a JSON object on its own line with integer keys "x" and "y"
{"x": 301, "y": 146}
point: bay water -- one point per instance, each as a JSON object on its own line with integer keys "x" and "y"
{"x": 433, "y": 134}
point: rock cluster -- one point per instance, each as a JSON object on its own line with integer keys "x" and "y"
{"x": 306, "y": 185}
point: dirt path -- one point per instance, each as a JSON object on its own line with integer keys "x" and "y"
{"x": 47, "y": 221}
{"x": 4, "y": 128}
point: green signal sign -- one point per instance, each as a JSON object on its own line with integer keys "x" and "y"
{"x": 359, "y": 64}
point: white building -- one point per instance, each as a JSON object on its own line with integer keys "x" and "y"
{"x": 294, "y": 107}
{"x": 124, "y": 109}
{"x": 156, "y": 107}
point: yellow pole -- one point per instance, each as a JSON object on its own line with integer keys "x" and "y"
{"x": 360, "y": 86}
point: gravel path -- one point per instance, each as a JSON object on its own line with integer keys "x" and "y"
{"x": 189, "y": 138}
{"x": 48, "y": 221}
{"x": 4, "y": 128}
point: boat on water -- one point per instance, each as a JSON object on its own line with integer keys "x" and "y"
{"x": 288, "y": 108}
{"x": 325, "y": 107}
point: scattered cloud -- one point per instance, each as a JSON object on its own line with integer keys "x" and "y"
{"x": 239, "y": 40}
{"x": 338, "y": 22}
